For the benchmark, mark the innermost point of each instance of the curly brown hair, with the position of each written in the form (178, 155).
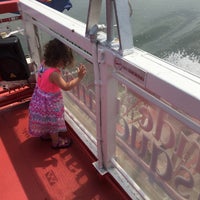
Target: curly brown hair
(56, 51)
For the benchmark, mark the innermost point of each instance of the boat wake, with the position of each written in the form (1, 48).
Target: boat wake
(189, 63)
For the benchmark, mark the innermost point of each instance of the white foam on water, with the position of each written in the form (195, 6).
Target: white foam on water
(189, 63)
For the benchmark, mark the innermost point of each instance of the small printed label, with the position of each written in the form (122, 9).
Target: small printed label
(131, 72)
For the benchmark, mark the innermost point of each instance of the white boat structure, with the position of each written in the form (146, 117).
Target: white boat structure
(138, 114)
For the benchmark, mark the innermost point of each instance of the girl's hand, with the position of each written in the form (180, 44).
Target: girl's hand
(81, 71)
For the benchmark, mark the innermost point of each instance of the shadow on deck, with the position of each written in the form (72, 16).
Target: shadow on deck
(31, 170)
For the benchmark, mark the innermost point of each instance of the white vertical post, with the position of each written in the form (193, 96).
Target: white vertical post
(99, 164)
(109, 90)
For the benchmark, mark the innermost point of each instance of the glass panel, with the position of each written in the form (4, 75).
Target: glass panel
(43, 37)
(81, 100)
(161, 154)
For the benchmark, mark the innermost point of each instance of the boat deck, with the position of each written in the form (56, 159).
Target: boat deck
(31, 169)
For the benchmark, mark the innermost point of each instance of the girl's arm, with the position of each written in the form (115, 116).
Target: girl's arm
(57, 79)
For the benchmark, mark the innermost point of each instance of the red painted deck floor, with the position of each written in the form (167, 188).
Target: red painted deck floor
(30, 169)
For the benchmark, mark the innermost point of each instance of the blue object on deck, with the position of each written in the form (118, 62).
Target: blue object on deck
(68, 5)
(59, 5)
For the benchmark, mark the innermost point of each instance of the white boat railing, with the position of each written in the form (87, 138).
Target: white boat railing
(138, 114)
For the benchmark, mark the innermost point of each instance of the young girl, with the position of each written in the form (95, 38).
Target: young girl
(46, 109)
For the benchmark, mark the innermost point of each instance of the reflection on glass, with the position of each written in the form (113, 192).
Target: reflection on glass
(160, 153)
(80, 101)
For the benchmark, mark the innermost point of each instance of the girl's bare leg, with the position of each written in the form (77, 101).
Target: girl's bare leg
(54, 138)
(59, 142)
(63, 135)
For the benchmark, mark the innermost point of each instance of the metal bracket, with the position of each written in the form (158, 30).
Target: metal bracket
(102, 171)
(119, 9)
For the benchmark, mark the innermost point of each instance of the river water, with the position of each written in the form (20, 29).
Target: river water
(168, 29)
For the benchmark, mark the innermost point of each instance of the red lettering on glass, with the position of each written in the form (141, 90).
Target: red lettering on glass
(166, 166)
(183, 140)
(186, 180)
(168, 135)
(146, 121)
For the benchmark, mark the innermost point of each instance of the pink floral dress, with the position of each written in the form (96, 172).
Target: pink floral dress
(46, 108)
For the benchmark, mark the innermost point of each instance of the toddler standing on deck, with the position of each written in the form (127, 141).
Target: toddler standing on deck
(46, 109)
